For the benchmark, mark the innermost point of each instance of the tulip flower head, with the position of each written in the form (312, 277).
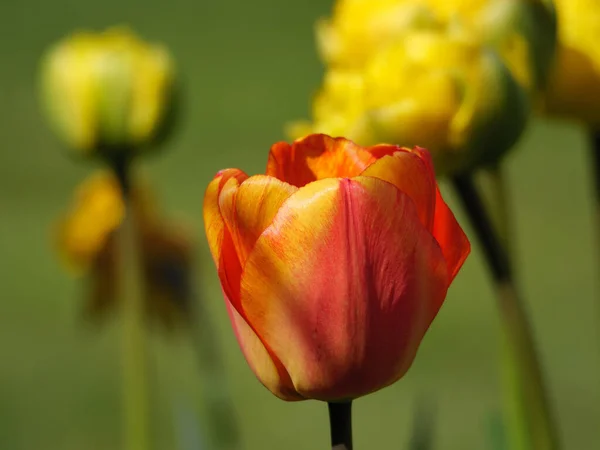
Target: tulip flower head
(87, 243)
(333, 264)
(433, 87)
(107, 92)
(574, 88)
(522, 31)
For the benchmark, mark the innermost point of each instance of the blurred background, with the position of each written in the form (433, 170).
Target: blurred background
(247, 68)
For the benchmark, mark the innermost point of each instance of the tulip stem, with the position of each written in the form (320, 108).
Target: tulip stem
(520, 343)
(498, 200)
(135, 358)
(422, 437)
(596, 175)
(516, 430)
(223, 424)
(340, 421)
(596, 164)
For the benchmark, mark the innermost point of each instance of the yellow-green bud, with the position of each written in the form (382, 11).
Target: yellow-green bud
(573, 90)
(436, 88)
(107, 92)
(525, 34)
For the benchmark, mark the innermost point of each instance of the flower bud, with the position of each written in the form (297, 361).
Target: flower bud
(524, 32)
(574, 85)
(439, 89)
(107, 92)
(359, 27)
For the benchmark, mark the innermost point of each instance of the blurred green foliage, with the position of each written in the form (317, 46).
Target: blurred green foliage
(248, 67)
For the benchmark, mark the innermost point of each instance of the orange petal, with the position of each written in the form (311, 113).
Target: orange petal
(214, 224)
(250, 208)
(267, 368)
(381, 150)
(341, 290)
(316, 157)
(409, 173)
(452, 239)
(217, 229)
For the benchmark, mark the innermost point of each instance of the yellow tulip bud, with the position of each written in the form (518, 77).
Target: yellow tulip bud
(574, 86)
(439, 89)
(107, 92)
(522, 31)
(360, 27)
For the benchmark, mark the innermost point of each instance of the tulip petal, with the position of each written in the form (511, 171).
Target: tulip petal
(219, 194)
(409, 173)
(452, 239)
(316, 157)
(341, 290)
(267, 368)
(213, 221)
(250, 208)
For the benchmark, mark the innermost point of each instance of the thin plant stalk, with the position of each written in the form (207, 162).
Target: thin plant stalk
(595, 164)
(134, 344)
(495, 192)
(222, 419)
(515, 415)
(525, 376)
(423, 435)
(340, 422)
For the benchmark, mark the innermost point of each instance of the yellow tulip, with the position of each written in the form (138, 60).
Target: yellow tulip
(574, 88)
(522, 31)
(435, 88)
(106, 91)
(360, 27)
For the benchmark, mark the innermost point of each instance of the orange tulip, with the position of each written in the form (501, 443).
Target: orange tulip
(333, 264)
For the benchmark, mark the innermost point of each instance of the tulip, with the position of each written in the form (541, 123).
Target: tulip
(574, 88)
(522, 31)
(107, 92)
(436, 88)
(525, 34)
(333, 264)
(359, 28)
(87, 243)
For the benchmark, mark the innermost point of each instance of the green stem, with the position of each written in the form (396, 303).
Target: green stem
(500, 211)
(595, 150)
(515, 411)
(422, 437)
(135, 357)
(223, 425)
(527, 379)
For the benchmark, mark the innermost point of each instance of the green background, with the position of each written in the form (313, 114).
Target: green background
(248, 67)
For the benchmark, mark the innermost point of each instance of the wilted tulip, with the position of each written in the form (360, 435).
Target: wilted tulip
(574, 88)
(333, 264)
(87, 243)
(107, 92)
(437, 88)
